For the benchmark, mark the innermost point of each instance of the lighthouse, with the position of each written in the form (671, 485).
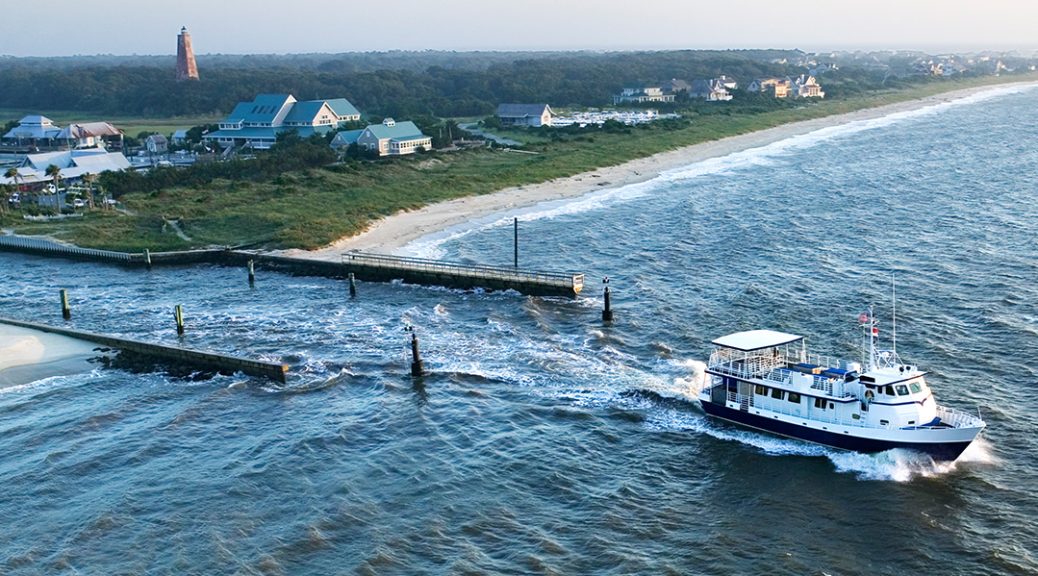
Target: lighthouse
(186, 67)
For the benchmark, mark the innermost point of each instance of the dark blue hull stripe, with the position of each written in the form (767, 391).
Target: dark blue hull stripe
(944, 451)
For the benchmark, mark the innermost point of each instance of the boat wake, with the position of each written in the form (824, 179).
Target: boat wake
(905, 465)
(891, 466)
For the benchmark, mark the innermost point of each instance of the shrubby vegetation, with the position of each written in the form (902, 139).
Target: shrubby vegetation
(290, 153)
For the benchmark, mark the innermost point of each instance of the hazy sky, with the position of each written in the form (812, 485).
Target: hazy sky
(70, 27)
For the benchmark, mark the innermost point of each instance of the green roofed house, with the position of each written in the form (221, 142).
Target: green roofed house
(391, 138)
(257, 124)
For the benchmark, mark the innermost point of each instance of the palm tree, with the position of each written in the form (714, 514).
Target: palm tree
(89, 179)
(11, 174)
(55, 173)
(5, 193)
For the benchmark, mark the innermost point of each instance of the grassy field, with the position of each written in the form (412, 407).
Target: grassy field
(130, 125)
(311, 208)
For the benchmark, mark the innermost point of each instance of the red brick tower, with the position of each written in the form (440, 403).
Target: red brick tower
(186, 67)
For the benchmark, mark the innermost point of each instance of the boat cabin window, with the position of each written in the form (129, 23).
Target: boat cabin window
(902, 390)
(760, 390)
(916, 388)
(794, 398)
(776, 393)
(820, 403)
(888, 390)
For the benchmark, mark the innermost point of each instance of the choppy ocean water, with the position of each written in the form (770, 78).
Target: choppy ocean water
(543, 441)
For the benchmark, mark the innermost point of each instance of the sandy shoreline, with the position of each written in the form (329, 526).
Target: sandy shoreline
(389, 235)
(27, 355)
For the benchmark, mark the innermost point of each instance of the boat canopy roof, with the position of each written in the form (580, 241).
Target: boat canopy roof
(756, 340)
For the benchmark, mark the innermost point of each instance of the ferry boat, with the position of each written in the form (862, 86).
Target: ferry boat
(767, 380)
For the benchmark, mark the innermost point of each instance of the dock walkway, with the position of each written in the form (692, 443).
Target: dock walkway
(364, 267)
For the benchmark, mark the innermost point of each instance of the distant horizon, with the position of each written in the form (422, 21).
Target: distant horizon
(172, 54)
(930, 26)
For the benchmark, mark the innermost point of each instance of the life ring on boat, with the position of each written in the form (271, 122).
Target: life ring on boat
(869, 396)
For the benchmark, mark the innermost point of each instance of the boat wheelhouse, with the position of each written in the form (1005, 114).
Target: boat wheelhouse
(767, 380)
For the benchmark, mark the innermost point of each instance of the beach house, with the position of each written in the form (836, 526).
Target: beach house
(808, 87)
(712, 90)
(156, 144)
(40, 131)
(391, 138)
(533, 115)
(777, 87)
(73, 164)
(32, 129)
(256, 124)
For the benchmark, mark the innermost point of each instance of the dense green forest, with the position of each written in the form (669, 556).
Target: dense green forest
(396, 83)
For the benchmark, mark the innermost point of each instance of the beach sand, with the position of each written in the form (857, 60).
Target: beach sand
(389, 235)
(27, 355)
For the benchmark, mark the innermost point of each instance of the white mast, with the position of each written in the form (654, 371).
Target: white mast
(893, 305)
(871, 328)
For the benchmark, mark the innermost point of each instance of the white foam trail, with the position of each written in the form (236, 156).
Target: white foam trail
(905, 465)
(686, 386)
(431, 246)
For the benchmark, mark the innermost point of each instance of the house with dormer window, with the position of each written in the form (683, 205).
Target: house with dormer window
(258, 123)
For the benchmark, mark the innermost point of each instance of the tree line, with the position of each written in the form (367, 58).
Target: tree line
(575, 79)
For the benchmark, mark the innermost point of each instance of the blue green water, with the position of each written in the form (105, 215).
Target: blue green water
(542, 441)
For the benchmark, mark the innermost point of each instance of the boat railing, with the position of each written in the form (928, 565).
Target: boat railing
(958, 418)
(819, 360)
(833, 387)
(745, 366)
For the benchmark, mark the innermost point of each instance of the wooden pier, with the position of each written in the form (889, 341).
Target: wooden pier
(204, 360)
(364, 267)
(464, 276)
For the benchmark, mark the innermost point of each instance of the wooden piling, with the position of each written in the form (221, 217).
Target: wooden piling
(66, 311)
(147, 258)
(607, 310)
(252, 272)
(515, 242)
(178, 315)
(416, 358)
(353, 286)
